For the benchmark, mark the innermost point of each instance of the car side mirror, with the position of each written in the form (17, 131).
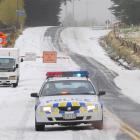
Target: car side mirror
(34, 95)
(17, 66)
(101, 93)
(21, 60)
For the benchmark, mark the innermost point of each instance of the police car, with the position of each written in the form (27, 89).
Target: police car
(68, 98)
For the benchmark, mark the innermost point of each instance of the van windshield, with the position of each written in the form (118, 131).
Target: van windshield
(7, 64)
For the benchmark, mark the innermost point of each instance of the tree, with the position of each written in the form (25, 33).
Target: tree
(127, 11)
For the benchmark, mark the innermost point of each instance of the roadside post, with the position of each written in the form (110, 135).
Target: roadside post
(19, 13)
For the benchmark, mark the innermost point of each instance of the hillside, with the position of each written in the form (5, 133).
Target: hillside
(8, 12)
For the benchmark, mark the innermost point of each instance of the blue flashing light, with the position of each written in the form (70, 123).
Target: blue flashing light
(80, 73)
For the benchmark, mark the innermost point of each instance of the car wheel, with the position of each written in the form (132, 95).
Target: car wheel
(39, 127)
(15, 84)
(98, 125)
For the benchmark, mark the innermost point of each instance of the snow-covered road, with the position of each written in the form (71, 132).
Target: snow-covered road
(17, 107)
(84, 41)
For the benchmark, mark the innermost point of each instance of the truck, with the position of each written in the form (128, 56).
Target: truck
(9, 66)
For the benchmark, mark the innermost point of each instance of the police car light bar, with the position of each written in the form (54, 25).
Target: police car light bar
(68, 74)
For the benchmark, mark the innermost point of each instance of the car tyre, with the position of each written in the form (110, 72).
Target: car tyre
(98, 125)
(39, 127)
(15, 84)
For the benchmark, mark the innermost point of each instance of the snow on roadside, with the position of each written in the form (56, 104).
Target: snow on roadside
(129, 82)
(84, 41)
(31, 40)
(32, 76)
(17, 108)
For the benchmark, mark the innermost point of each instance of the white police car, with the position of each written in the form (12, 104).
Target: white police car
(68, 98)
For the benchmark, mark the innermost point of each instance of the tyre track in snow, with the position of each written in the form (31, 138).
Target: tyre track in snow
(27, 85)
(24, 132)
(94, 134)
(103, 81)
(24, 121)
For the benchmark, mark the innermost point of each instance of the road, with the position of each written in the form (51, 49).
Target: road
(123, 107)
(17, 107)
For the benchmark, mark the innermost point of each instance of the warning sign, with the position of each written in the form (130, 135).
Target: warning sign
(49, 57)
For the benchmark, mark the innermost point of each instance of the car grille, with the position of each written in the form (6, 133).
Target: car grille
(3, 78)
(74, 108)
(61, 119)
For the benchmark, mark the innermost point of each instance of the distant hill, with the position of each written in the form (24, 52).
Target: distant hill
(8, 12)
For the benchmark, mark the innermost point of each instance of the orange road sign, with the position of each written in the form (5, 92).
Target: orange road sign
(3, 38)
(49, 57)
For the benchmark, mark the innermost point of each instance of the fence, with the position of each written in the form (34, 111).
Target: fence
(127, 43)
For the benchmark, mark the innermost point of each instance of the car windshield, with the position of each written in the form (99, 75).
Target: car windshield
(70, 87)
(7, 64)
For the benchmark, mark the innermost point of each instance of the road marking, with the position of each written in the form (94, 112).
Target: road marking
(135, 135)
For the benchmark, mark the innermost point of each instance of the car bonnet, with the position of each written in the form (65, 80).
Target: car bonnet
(65, 100)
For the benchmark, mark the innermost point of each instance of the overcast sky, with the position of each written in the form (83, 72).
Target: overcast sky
(88, 9)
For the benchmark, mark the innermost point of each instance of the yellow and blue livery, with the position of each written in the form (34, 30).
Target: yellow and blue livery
(68, 100)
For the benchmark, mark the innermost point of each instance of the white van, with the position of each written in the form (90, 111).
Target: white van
(9, 66)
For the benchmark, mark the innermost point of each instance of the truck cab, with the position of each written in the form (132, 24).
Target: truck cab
(9, 66)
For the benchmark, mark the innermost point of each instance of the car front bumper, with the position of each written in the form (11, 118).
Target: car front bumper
(7, 82)
(49, 119)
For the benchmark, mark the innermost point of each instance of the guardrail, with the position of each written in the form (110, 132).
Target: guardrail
(101, 27)
(128, 43)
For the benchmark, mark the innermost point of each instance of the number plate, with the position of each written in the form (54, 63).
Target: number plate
(69, 116)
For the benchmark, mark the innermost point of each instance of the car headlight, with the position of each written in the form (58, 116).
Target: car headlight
(92, 107)
(46, 109)
(12, 78)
